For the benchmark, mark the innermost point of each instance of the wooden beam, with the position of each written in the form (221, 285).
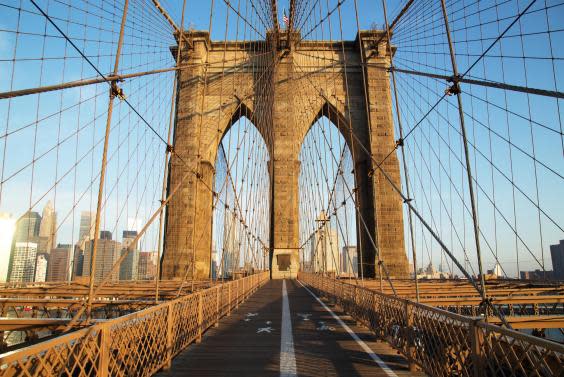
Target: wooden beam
(20, 324)
(532, 321)
(509, 300)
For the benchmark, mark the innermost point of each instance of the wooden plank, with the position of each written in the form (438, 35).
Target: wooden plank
(238, 347)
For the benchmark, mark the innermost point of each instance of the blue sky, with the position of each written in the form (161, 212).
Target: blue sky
(62, 131)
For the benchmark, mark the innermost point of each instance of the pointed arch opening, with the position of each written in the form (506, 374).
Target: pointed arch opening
(241, 200)
(328, 215)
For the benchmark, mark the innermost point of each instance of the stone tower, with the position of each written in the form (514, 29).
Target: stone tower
(354, 96)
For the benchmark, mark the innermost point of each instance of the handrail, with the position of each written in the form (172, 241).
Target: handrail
(137, 344)
(440, 342)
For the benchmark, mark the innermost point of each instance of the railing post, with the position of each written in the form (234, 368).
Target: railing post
(476, 344)
(376, 313)
(169, 321)
(228, 299)
(103, 358)
(237, 295)
(217, 312)
(200, 316)
(410, 337)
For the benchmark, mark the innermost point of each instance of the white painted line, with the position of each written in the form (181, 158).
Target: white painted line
(353, 335)
(287, 355)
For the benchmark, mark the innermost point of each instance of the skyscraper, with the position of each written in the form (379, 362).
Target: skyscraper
(41, 263)
(77, 261)
(86, 231)
(60, 266)
(48, 229)
(557, 256)
(147, 265)
(107, 254)
(22, 267)
(350, 261)
(27, 227)
(214, 257)
(7, 227)
(231, 245)
(325, 249)
(26, 232)
(129, 267)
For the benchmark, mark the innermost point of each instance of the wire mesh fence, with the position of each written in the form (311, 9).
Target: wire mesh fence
(138, 344)
(440, 342)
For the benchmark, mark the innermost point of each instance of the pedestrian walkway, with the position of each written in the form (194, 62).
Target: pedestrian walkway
(285, 330)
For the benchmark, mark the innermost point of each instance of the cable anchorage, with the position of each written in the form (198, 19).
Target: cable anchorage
(116, 91)
(455, 87)
(399, 142)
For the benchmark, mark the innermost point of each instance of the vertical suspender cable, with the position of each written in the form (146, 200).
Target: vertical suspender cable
(405, 171)
(113, 92)
(456, 89)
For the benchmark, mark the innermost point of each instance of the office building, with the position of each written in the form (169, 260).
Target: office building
(22, 266)
(536, 275)
(147, 265)
(557, 255)
(495, 272)
(27, 227)
(60, 263)
(26, 232)
(350, 261)
(107, 254)
(78, 260)
(47, 229)
(231, 245)
(41, 264)
(129, 267)
(325, 248)
(7, 227)
(214, 273)
(86, 230)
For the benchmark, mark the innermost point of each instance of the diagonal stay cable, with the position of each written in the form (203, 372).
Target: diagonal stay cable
(456, 80)
(108, 81)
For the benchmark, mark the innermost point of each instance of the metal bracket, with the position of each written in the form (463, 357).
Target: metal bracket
(399, 142)
(116, 91)
(455, 87)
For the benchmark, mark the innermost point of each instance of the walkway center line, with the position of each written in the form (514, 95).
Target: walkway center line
(353, 335)
(287, 355)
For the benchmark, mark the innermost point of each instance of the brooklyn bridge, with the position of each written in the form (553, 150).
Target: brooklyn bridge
(281, 188)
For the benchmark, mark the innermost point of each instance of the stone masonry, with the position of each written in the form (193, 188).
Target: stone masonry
(283, 88)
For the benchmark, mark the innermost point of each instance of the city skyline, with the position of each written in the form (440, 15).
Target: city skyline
(45, 234)
(30, 252)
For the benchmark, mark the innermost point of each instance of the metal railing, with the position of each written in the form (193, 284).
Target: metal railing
(138, 344)
(440, 342)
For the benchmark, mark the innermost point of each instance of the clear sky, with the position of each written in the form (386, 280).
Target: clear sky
(52, 143)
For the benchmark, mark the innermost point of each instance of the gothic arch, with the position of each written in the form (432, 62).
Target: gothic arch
(336, 117)
(242, 110)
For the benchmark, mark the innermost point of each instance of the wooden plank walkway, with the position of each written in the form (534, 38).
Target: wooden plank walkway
(248, 343)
